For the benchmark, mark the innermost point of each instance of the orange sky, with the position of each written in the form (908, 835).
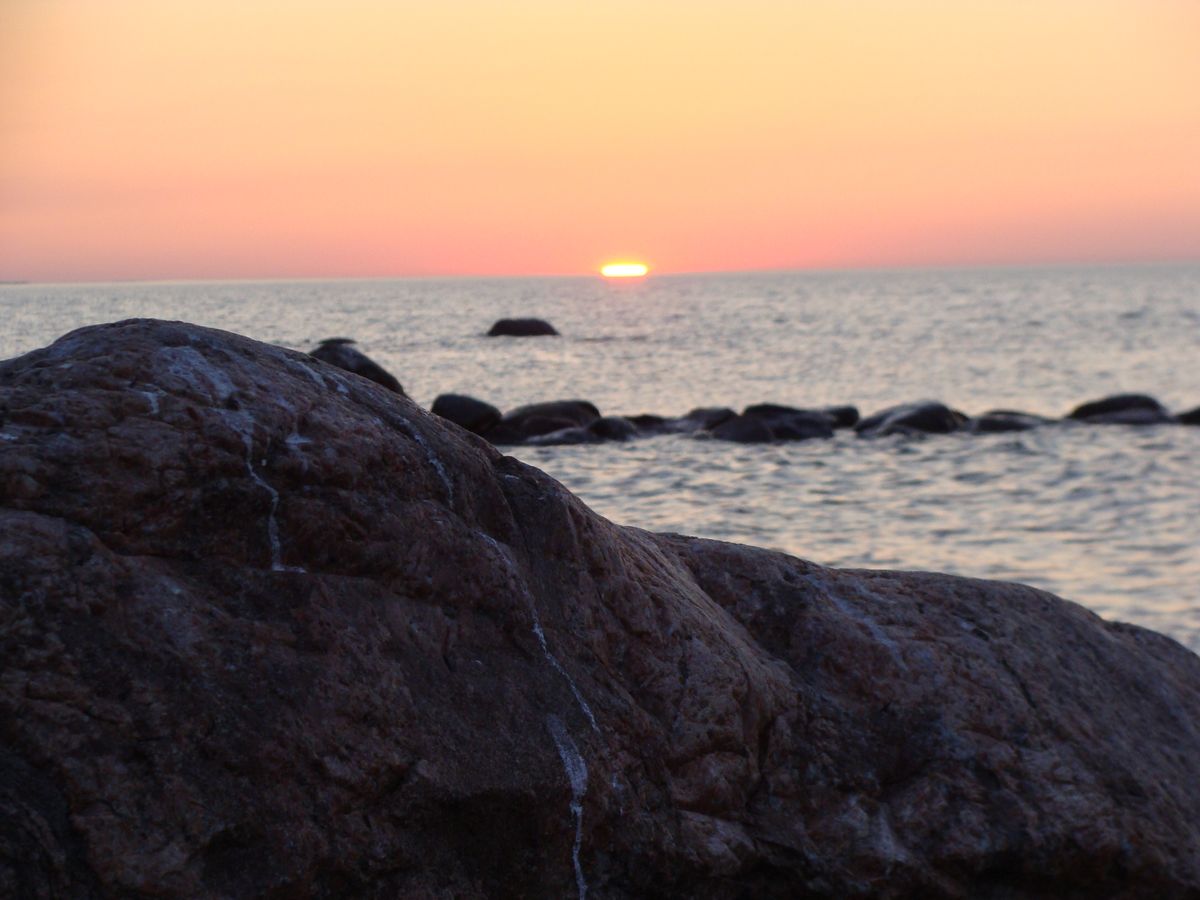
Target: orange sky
(213, 138)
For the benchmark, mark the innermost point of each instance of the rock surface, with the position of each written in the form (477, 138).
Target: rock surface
(522, 328)
(270, 630)
(339, 352)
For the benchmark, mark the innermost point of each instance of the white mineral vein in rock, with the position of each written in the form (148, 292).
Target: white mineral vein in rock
(540, 633)
(577, 774)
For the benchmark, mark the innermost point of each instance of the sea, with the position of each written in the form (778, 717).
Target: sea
(1106, 516)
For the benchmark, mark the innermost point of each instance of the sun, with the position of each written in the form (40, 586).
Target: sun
(624, 270)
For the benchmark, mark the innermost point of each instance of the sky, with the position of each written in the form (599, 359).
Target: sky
(151, 139)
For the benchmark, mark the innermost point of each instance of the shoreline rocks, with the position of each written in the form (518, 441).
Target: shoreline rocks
(268, 629)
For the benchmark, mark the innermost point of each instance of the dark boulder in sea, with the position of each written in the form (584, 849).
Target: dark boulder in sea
(340, 352)
(842, 416)
(522, 328)
(1191, 417)
(538, 419)
(612, 428)
(1122, 409)
(270, 630)
(789, 423)
(1003, 420)
(704, 418)
(606, 428)
(925, 417)
(744, 430)
(649, 423)
(466, 412)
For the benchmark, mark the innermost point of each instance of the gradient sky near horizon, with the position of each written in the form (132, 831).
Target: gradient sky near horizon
(218, 139)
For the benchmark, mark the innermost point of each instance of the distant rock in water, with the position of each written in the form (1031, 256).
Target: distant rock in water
(538, 419)
(771, 422)
(598, 431)
(1123, 409)
(522, 328)
(1001, 420)
(706, 418)
(744, 430)
(335, 647)
(466, 412)
(842, 416)
(925, 417)
(1191, 417)
(340, 352)
(612, 428)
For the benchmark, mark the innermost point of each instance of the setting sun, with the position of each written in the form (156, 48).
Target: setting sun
(624, 270)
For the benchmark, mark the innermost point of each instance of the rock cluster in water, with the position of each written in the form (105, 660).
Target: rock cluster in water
(269, 629)
(542, 424)
(580, 421)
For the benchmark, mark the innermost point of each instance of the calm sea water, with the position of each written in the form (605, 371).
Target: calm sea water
(1106, 516)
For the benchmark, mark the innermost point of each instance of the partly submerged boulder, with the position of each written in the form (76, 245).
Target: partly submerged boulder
(340, 352)
(842, 416)
(269, 630)
(466, 412)
(606, 428)
(1004, 420)
(791, 424)
(1191, 417)
(924, 417)
(704, 418)
(522, 328)
(772, 422)
(538, 419)
(744, 430)
(1122, 409)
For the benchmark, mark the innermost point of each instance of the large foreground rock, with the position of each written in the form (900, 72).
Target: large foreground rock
(267, 629)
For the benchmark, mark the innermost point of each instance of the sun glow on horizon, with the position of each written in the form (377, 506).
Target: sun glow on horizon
(142, 139)
(624, 270)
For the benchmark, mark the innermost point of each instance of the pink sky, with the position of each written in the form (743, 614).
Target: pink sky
(220, 139)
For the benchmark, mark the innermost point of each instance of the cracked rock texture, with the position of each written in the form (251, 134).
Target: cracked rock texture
(270, 630)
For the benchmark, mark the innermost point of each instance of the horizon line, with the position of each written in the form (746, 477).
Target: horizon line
(467, 276)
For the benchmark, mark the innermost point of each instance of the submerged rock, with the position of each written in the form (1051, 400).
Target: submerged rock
(1122, 409)
(925, 417)
(267, 630)
(1003, 420)
(538, 419)
(340, 352)
(704, 418)
(522, 328)
(466, 412)
(771, 422)
(842, 416)
(744, 430)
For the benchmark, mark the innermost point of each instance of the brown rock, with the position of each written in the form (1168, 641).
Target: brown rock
(268, 630)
